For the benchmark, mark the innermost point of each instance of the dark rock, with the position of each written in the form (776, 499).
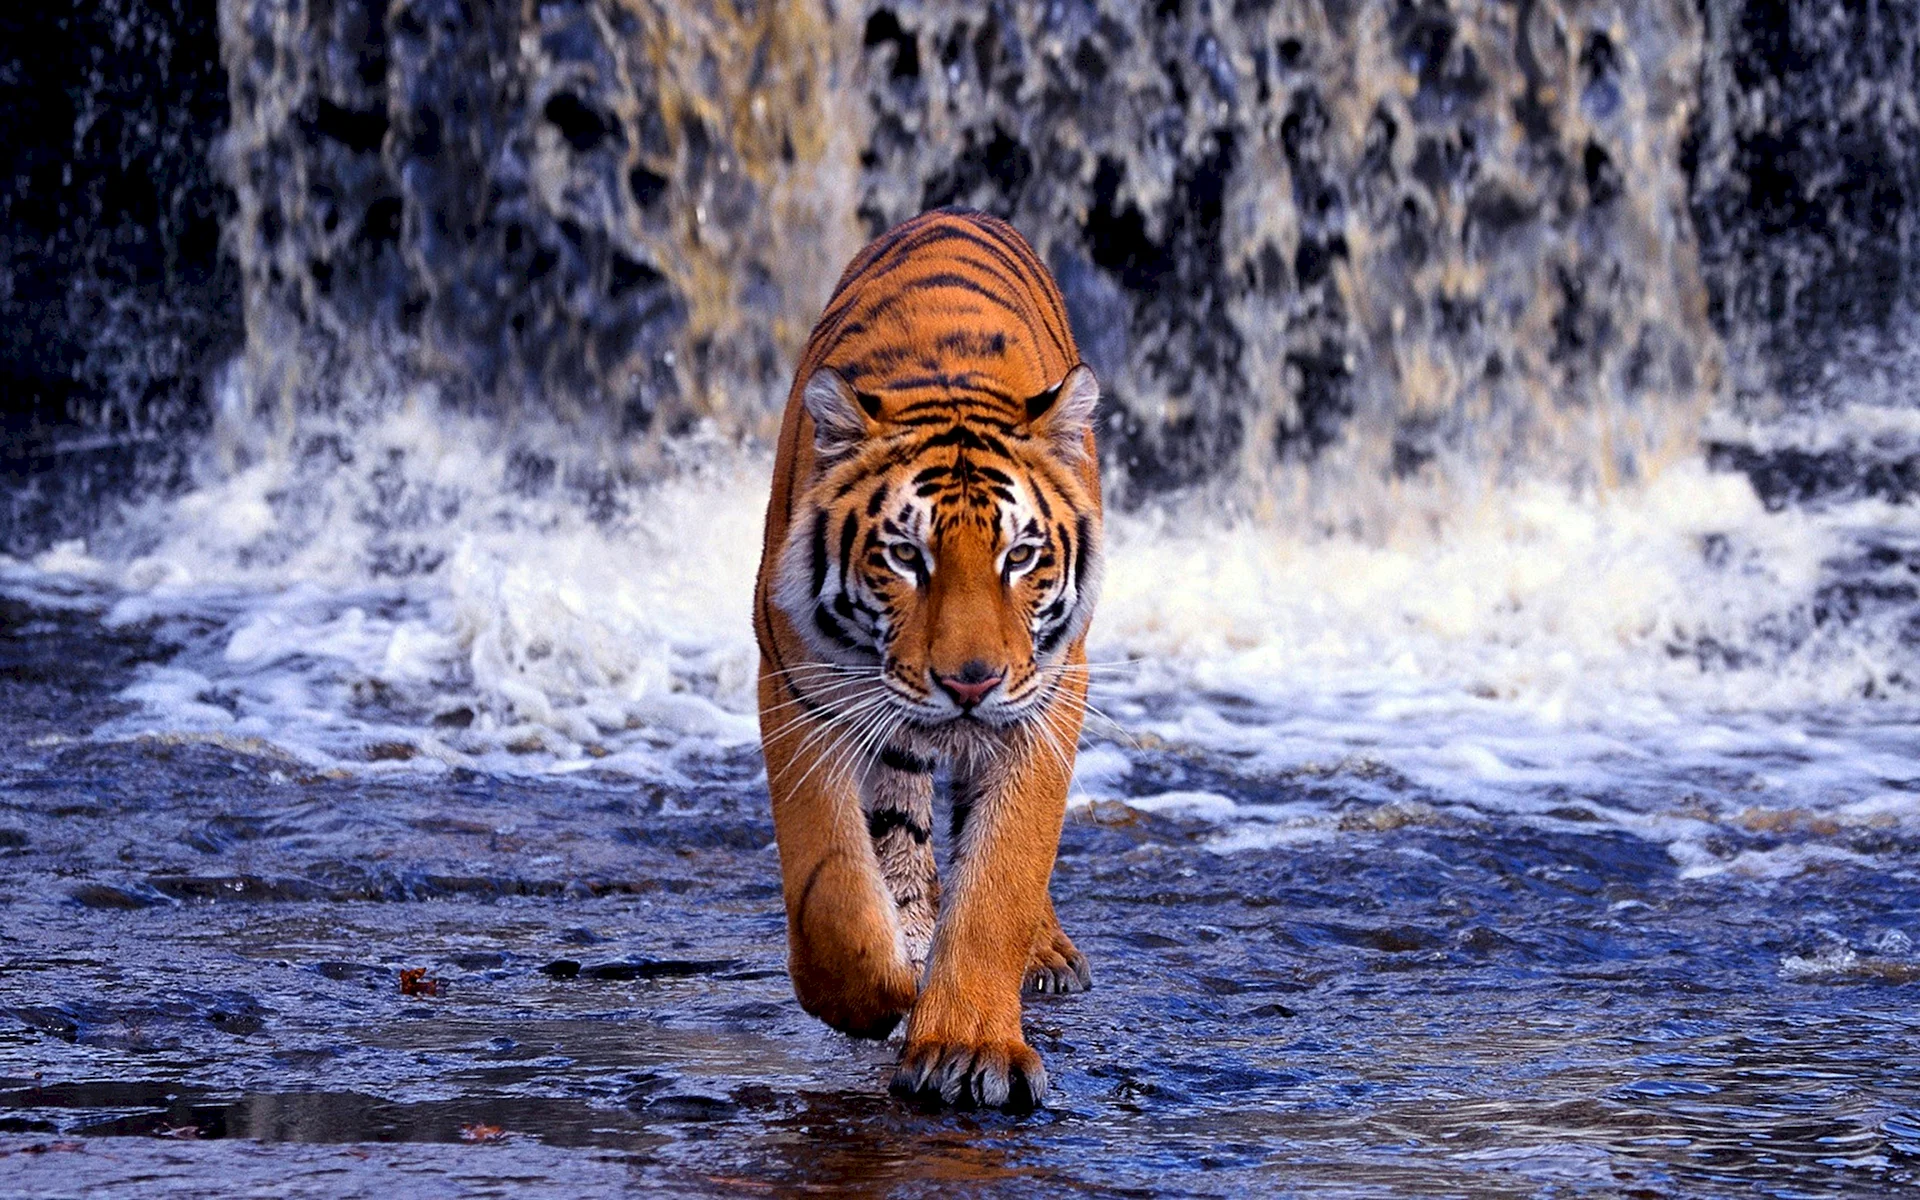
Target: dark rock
(115, 299)
(1805, 165)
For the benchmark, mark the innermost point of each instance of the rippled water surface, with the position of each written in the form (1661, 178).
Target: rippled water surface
(1506, 780)
(204, 940)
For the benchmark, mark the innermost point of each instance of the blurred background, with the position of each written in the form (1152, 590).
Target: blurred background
(1511, 428)
(1403, 240)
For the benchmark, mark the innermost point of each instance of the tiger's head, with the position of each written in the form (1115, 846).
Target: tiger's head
(953, 552)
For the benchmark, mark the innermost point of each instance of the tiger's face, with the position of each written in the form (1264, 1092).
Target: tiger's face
(952, 554)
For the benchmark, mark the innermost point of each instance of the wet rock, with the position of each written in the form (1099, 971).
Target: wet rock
(115, 299)
(350, 971)
(108, 895)
(630, 969)
(605, 209)
(207, 888)
(690, 1108)
(54, 1022)
(1805, 164)
(240, 1020)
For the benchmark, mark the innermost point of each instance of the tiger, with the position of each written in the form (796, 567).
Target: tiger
(931, 561)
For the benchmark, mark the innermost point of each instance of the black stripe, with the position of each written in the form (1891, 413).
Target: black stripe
(883, 821)
(1067, 546)
(1023, 262)
(1051, 639)
(1033, 274)
(907, 761)
(897, 246)
(863, 261)
(1040, 498)
(1044, 283)
(878, 498)
(849, 485)
(819, 552)
(958, 414)
(780, 672)
(806, 889)
(946, 279)
(966, 439)
(965, 381)
(847, 533)
(965, 341)
(1084, 526)
(824, 622)
(1049, 468)
(952, 383)
(1011, 281)
(962, 808)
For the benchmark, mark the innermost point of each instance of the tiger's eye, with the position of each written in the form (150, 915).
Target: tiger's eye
(905, 555)
(1019, 556)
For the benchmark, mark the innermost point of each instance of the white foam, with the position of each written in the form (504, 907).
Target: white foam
(1783, 862)
(1889, 958)
(1191, 804)
(420, 605)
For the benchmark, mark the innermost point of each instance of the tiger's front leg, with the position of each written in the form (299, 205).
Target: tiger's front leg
(898, 796)
(846, 949)
(964, 1043)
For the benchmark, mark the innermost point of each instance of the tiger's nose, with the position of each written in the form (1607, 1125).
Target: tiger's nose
(972, 684)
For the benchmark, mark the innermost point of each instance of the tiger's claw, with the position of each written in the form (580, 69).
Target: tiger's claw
(1057, 967)
(1009, 1077)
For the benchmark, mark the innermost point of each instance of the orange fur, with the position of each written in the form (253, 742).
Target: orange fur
(930, 564)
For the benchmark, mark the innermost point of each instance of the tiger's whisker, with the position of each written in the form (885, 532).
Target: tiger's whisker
(831, 729)
(857, 698)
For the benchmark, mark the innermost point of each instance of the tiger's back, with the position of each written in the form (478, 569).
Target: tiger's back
(930, 564)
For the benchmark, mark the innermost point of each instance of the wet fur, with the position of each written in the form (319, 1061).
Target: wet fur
(940, 404)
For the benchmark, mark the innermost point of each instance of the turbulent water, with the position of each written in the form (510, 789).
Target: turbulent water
(1505, 773)
(1564, 843)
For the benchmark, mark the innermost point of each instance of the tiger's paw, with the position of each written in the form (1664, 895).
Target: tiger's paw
(861, 1017)
(1006, 1075)
(862, 1003)
(1056, 965)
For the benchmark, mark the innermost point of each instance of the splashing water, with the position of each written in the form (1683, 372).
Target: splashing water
(400, 588)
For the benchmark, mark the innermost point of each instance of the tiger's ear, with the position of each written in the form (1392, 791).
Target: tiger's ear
(842, 417)
(1064, 412)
